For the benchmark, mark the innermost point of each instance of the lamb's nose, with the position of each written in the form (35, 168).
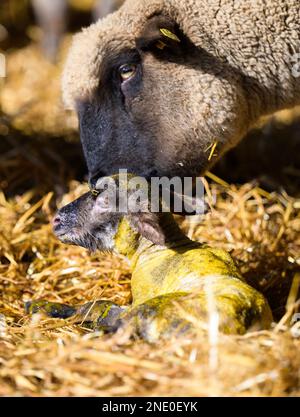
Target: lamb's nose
(56, 221)
(57, 225)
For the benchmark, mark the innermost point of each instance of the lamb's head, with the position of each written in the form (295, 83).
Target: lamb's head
(115, 214)
(80, 223)
(150, 100)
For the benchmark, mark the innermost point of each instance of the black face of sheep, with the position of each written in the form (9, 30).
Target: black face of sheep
(144, 117)
(159, 101)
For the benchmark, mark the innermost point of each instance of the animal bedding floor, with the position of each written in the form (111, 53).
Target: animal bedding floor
(42, 357)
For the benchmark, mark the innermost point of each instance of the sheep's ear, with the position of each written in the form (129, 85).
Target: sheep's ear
(147, 224)
(159, 33)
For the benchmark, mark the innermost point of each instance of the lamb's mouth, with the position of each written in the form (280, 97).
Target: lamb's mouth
(64, 235)
(73, 237)
(66, 239)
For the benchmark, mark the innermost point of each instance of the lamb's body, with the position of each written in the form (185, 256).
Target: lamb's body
(173, 272)
(187, 274)
(239, 60)
(168, 284)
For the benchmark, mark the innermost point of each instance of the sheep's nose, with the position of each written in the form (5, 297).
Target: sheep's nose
(56, 221)
(58, 225)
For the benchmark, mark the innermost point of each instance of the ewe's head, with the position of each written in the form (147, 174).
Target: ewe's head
(149, 97)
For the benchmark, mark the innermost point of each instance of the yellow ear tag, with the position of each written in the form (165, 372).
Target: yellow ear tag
(95, 193)
(168, 34)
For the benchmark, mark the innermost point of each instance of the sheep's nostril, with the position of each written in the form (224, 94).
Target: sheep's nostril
(56, 221)
(58, 226)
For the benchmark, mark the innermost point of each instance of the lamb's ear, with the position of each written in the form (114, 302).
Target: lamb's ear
(105, 193)
(147, 224)
(160, 32)
(105, 201)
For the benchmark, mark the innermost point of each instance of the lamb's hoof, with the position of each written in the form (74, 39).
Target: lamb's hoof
(49, 309)
(98, 315)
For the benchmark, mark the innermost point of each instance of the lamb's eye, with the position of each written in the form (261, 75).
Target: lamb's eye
(127, 71)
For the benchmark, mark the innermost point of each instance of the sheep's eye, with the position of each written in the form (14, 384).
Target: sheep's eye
(127, 71)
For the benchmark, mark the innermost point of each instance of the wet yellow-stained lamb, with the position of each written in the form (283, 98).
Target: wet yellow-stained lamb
(173, 277)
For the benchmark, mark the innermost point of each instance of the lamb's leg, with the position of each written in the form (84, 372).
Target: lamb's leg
(99, 315)
(237, 306)
(152, 320)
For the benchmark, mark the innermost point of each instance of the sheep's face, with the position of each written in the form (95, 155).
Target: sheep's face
(160, 106)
